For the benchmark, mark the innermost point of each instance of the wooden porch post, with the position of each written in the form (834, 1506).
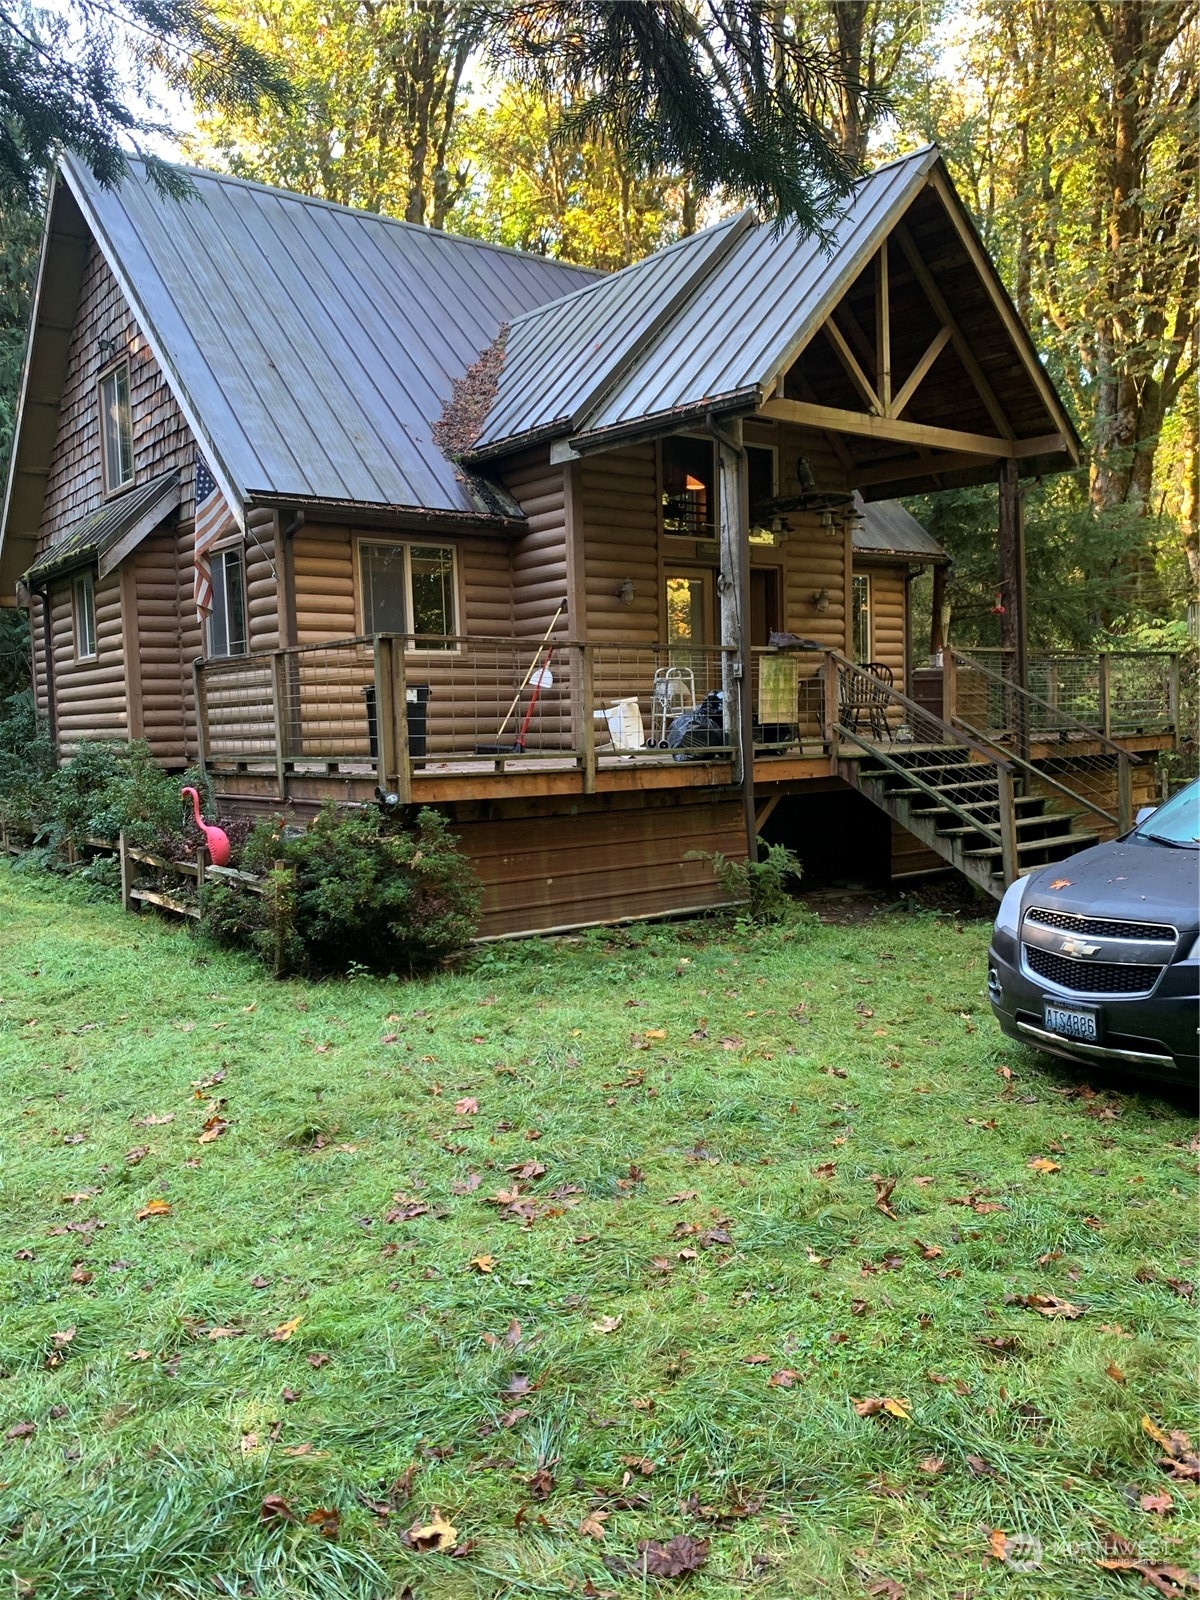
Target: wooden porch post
(937, 634)
(1014, 632)
(391, 716)
(734, 586)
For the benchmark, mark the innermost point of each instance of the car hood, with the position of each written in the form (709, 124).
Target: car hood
(1140, 880)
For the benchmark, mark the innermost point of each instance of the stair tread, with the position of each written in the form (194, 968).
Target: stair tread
(1021, 822)
(1080, 839)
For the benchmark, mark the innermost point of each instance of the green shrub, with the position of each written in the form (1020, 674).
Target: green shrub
(27, 764)
(356, 888)
(762, 884)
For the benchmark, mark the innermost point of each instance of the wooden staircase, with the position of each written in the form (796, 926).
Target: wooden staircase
(952, 801)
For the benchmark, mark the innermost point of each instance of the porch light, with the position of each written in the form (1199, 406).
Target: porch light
(693, 483)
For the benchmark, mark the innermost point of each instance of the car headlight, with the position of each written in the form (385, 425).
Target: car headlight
(1194, 953)
(1008, 918)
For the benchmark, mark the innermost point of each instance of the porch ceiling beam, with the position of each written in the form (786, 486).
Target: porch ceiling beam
(917, 376)
(883, 331)
(914, 433)
(846, 356)
(924, 466)
(962, 347)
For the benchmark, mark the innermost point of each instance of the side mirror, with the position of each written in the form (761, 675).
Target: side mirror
(1143, 813)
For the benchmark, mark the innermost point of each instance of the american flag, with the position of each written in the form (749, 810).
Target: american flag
(213, 518)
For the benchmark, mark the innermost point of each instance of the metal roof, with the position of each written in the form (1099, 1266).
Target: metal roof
(310, 346)
(732, 305)
(137, 511)
(887, 528)
(557, 355)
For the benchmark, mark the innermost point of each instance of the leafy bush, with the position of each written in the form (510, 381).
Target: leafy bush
(27, 764)
(357, 888)
(762, 884)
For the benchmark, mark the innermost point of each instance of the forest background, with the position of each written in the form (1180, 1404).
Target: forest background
(1071, 127)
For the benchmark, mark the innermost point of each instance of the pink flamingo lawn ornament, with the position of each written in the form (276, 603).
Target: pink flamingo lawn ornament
(216, 838)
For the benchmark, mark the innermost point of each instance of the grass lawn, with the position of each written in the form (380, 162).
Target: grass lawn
(578, 1247)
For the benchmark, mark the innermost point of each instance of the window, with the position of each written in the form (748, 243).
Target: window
(409, 588)
(688, 487)
(227, 620)
(860, 617)
(760, 475)
(116, 429)
(85, 616)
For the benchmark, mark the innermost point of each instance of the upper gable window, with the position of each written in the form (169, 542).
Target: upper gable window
(688, 486)
(116, 429)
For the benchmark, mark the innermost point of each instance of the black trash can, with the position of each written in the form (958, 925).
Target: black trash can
(416, 714)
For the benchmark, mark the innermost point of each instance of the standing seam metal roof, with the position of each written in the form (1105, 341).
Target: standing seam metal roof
(315, 345)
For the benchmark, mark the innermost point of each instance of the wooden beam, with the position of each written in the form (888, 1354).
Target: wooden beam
(1012, 322)
(915, 433)
(858, 338)
(883, 331)
(962, 348)
(916, 377)
(926, 466)
(846, 356)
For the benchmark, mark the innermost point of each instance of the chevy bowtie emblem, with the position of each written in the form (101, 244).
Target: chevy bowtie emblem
(1076, 947)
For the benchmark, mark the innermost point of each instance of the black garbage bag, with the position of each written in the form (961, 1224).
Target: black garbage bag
(699, 728)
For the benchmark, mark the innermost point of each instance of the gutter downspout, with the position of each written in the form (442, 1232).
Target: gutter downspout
(735, 520)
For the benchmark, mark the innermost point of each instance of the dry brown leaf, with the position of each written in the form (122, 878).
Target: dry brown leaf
(681, 1197)
(154, 1208)
(468, 1106)
(592, 1526)
(606, 1325)
(883, 1193)
(885, 1589)
(678, 1557)
(274, 1508)
(1159, 1504)
(1049, 1305)
(785, 1378)
(929, 1252)
(1114, 1372)
(931, 1465)
(285, 1330)
(213, 1129)
(152, 1121)
(326, 1520)
(883, 1405)
(482, 1263)
(1165, 1579)
(436, 1534)
(1061, 883)
(1043, 1164)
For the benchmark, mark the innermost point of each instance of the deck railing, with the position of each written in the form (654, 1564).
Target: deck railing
(1076, 760)
(1115, 691)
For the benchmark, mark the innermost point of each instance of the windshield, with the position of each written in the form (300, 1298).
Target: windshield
(1177, 820)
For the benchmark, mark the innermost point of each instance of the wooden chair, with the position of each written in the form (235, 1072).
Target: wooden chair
(865, 699)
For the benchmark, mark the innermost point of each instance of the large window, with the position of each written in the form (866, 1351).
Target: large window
(860, 617)
(84, 606)
(116, 429)
(227, 621)
(689, 487)
(409, 588)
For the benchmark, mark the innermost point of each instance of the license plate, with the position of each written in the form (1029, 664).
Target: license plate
(1072, 1022)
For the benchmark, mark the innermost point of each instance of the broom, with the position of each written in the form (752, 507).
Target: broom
(499, 749)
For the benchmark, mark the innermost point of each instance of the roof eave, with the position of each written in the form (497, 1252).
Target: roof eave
(743, 401)
(381, 511)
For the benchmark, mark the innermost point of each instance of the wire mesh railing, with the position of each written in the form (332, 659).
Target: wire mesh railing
(656, 701)
(1115, 691)
(1061, 757)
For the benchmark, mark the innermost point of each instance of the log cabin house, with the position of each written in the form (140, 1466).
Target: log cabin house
(486, 531)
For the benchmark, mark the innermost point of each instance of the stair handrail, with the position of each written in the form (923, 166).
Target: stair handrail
(1003, 835)
(997, 756)
(1027, 694)
(1030, 770)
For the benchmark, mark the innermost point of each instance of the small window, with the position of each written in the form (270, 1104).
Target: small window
(760, 474)
(85, 617)
(689, 487)
(227, 621)
(861, 617)
(116, 429)
(409, 588)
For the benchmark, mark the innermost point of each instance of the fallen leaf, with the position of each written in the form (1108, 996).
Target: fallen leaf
(1043, 1164)
(827, 1169)
(1168, 1580)
(468, 1106)
(1049, 1305)
(436, 1534)
(883, 1405)
(785, 1378)
(1114, 1372)
(213, 1129)
(154, 1208)
(317, 1358)
(482, 1263)
(152, 1121)
(883, 1193)
(680, 1198)
(606, 1325)
(326, 1520)
(541, 1484)
(21, 1430)
(931, 1465)
(74, 1138)
(79, 1196)
(676, 1558)
(592, 1526)
(885, 1589)
(1180, 1460)
(1061, 883)
(981, 1468)
(1160, 1504)
(63, 1337)
(80, 1274)
(285, 1330)
(928, 1252)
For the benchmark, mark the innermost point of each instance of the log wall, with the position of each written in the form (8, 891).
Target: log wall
(89, 695)
(889, 633)
(105, 325)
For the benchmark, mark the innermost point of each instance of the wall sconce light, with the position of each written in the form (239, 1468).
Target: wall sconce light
(625, 592)
(820, 599)
(108, 349)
